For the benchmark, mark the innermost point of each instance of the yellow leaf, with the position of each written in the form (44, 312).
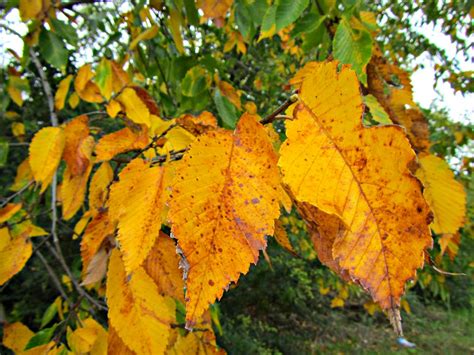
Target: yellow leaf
(81, 224)
(76, 133)
(113, 108)
(282, 237)
(138, 313)
(333, 162)
(98, 230)
(135, 108)
(85, 88)
(13, 258)
(30, 9)
(147, 34)
(251, 108)
(135, 202)
(61, 93)
(91, 338)
(337, 302)
(121, 141)
(9, 211)
(16, 336)
(73, 100)
(162, 265)
(120, 77)
(46, 149)
(267, 34)
(18, 129)
(230, 92)
(445, 196)
(73, 191)
(23, 175)
(104, 78)
(98, 187)
(371, 307)
(28, 230)
(116, 345)
(5, 238)
(450, 243)
(225, 200)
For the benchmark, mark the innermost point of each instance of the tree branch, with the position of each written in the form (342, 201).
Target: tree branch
(275, 114)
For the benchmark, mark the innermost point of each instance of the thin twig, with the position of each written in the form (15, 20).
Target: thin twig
(19, 192)
(273, 116)
(53, 277)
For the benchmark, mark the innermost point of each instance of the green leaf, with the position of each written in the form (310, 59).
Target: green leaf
(288, 11)
(49, 314)
(243, 19)
(353, 47)
(195, 81)
(191, 12)
(42, 337)
(102, 76)
(65, 31)
(53, 50)
(227, 112)
(4, 147)
(307, 23)
(376, 110)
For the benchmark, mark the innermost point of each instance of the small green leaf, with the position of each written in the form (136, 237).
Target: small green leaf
(227, 112)
(191, 12)
(288, 11)
(195, 81)
(353, 47)
(53, 50)
(378, 113)
(243, 19)
(42, 337)
(49, 314)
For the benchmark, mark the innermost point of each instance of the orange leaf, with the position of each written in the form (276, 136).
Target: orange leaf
(98, 187)
(225, 200)
(332, 161)
(76, 131)
(9, 211)
(121, 141)
(16, 336)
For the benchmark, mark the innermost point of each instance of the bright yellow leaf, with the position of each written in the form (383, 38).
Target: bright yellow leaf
(113, 108)
(98, 187)
(77, 135)
(16, 336)
(23, 175)
(73, 192)
(73, 100)
(135, 108)
(147, 34)
(332, 161)
(46, 149)
(18, 129)
(13, 257)
(138, 313)
(121, 141)
(445, 196)
(225, 200)
(61, 93)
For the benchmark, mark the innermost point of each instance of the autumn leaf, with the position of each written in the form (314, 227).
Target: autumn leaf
(120, 141)
(89, 338)
(214, 9)
(162, 265)
(98, 187)
(23, 175)
(360, 175)
(225, 200)
(116, 344)
(16, 336)
(46, 149)
(13, 257)
(61, 93)
(76, 132)
(199, 124)
(85, 88)
(9, 211)
(138, 313)
(135, 108)
(445, 196)
(135, 202)
(282, 237)
(113, 108)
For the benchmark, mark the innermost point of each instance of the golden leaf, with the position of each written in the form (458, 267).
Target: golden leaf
(282, 237)
(225, 200)
(98, 187)
(120, 77)
(445, 196)
(85, 88)
(76, 132)
(135, 108)
(18, 130)
(135, 202)
(214, 9)
(46, 149)
(200, 124)
(61, 93)
(162, 264)
(16, 336)
(9, 211)
(138, 313)
(13, 257)
(147, 34)
(30, 9)
(90, 338)
(23, 175)
(96, 232)
(121, 141)
(359, 174)
(113, 108)
(73, 100)
(230, 92)
(116, 345)
(5, 238)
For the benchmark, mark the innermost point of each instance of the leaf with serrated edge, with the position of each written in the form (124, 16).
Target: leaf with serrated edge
(225, 200)
(136, 202)
(13, 257)
(359, 174)
(138, 313)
